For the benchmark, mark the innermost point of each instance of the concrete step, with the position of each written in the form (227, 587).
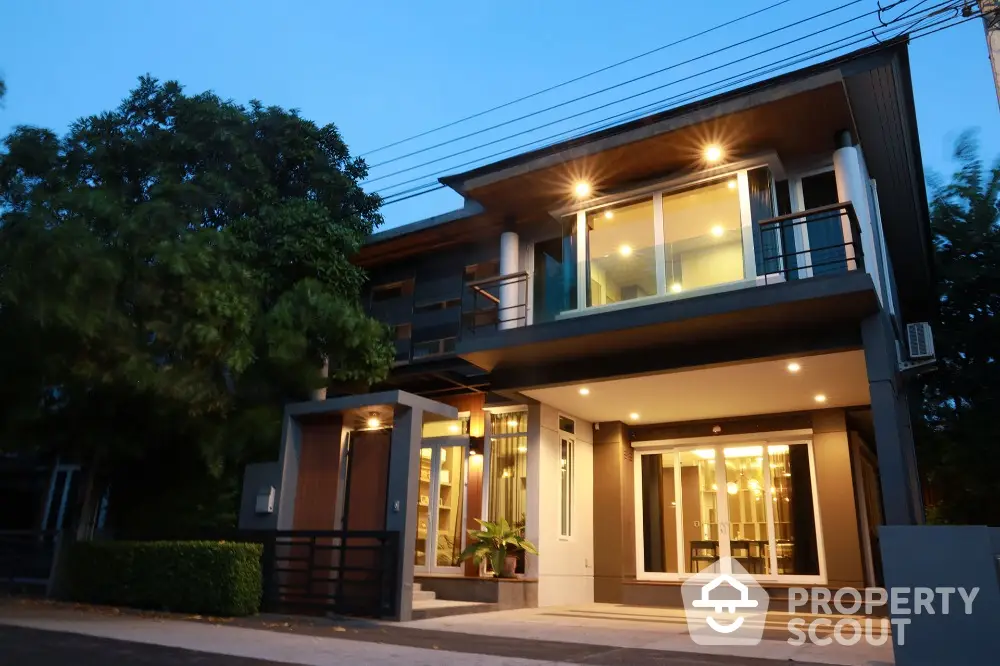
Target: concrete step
(423, 595)
(417, 587)
(423, 610)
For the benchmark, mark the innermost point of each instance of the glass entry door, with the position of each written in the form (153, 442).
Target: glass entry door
(441, 505)
(751, 502)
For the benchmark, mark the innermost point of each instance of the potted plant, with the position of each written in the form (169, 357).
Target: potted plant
(492, 542)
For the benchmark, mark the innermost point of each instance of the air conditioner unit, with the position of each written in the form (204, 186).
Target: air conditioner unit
(920, 340)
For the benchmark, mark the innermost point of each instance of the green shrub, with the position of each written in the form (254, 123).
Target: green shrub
(206, 577)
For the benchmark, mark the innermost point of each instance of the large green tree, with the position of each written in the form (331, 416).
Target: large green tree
(172, 272)
(959, 448)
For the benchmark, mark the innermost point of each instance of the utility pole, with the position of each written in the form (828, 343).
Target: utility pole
(990, 9)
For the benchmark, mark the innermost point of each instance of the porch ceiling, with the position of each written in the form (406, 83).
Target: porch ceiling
(764, 387)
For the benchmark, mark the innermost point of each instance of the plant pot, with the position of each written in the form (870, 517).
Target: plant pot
(510, 566)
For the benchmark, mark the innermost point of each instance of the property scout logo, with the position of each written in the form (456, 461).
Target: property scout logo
(724, 605)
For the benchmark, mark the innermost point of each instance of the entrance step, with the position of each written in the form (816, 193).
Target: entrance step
(417, 587)
(423, 610)
(423, 595)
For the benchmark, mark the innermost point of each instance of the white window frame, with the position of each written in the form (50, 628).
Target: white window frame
(566, 498)
(764, 439)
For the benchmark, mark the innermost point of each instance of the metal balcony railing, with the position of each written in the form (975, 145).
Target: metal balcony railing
(497, 303)
(785, 255)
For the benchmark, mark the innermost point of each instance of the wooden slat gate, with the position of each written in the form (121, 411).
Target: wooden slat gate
(317, 571)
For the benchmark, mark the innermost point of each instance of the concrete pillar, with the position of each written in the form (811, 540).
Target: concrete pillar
(510, 292)
(852, 186)
(901, 498)
(401, 508)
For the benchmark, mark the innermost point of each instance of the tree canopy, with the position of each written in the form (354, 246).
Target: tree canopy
(174, 270)
(958, 449)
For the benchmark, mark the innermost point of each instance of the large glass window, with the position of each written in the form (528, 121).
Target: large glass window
(703, 236)
(508, 477)
(750, 502)
(622, 253)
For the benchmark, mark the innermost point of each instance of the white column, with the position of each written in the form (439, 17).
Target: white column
(510, 292)
(852, 186)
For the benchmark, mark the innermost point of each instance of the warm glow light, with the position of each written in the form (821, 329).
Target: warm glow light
(731, 184)
(512, 423)
(373, 422)
(585, 391)
(608, 215)
(754, 485)
(820, 397)
(634, 416)
(676, 287)
(522, 449)
(454, 427)
(717, 231)
(732, 488)
(793, 367)
(742, 451)
(713, 153)
(625, 250)
(582, 189)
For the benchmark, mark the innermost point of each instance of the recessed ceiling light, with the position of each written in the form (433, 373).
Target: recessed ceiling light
(793, 367)
(713, 153)
(453, 427)
(717, 231)
(676, 287)
(582, 189)
(731, 184)
(820, 397)
(585, 391)
(634, 416)
(373, 422)
(625, 250)
(608, 215)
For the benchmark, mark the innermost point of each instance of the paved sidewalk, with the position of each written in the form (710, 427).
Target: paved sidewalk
(596, 634)
(659, 629)
(197, 640)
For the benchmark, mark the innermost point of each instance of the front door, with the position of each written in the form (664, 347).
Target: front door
(441, 505)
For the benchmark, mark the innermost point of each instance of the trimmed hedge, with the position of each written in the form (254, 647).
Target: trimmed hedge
(205, 577)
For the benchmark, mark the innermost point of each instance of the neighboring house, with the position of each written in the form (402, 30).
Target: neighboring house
(668, 341)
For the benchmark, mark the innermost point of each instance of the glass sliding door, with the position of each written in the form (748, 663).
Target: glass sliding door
(621, 247)
(703, 236)
(752, 502)
(441, 506)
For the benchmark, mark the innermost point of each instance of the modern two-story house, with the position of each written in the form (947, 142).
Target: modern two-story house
(653, 346)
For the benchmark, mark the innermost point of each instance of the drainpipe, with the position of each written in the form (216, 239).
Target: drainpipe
(509, 292)
(852, 185)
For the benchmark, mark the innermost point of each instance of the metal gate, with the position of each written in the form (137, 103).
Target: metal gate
(316, 571)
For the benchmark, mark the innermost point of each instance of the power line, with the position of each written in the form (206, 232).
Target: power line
(619, 85)
(431, 186)
(865, 32)
(579, 78)
(620, 99)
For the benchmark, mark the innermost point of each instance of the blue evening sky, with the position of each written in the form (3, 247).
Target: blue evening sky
(383, 71)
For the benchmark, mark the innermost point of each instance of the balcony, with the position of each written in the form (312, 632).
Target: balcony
(780, 251)
(802, 297)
